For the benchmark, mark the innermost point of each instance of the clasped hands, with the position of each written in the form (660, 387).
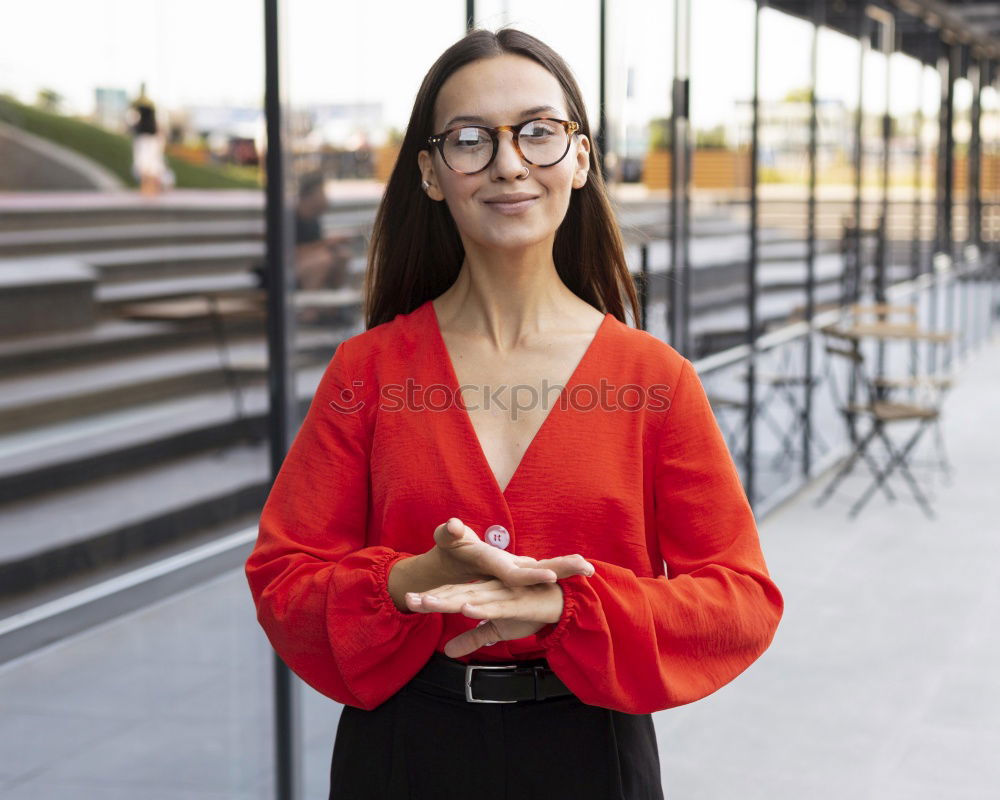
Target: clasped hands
(515, 596)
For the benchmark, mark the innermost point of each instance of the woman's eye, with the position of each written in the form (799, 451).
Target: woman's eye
(537, 131)
(469, 138)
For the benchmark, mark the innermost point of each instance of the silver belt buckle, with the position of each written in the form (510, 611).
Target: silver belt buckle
(468, 681)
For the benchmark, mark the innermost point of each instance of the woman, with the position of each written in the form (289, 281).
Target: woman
(415, 532)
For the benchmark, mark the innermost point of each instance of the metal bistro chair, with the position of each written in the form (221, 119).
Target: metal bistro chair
(916, 382)
(881, 414)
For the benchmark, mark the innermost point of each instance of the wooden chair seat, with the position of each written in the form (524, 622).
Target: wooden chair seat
(915, 382)
(891, 412)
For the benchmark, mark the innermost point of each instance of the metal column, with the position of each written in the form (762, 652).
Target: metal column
(818, 17)
(283, 405)
(602, 108)
(917, 249)
(679, 277)
(749, 455)
(864, 44)
(887, 41)
(975, 154)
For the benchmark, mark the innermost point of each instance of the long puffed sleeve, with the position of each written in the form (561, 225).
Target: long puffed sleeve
(644, 644)
(321, 594)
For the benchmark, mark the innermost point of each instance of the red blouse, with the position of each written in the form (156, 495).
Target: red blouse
(629, 469)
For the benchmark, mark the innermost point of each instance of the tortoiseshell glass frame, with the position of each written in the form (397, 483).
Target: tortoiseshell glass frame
(437, 140)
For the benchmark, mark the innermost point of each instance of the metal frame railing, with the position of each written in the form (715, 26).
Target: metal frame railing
(963, 298)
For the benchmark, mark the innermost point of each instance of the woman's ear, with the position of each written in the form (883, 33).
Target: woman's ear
(582, 162)
(427, 174)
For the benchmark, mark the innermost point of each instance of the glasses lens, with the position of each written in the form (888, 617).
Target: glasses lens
(543, 142)
(468, 149)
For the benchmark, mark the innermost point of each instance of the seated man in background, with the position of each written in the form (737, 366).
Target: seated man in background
(320, 261)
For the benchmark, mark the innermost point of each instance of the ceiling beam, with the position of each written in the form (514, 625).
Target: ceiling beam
(949, 20)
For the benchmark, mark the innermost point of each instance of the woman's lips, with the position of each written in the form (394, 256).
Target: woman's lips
(513, 208)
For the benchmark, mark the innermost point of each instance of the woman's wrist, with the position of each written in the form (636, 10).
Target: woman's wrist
(416, 574)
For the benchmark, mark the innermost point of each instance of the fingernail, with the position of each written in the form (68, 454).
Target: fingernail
(413, 598)
(429, 597)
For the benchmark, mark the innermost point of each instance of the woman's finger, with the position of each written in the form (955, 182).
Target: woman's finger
(451, 590)
(453, 604)
(502, 565)
(471, 640)
(498, 609)
(564, 566)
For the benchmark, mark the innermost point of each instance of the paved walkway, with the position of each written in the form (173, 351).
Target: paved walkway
(880, 685)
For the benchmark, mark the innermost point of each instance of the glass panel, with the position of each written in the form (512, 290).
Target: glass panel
(350, 106)
(132, 467)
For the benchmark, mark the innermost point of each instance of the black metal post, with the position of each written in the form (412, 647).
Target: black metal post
(750, 453)
(882, 270)
(602, 108)
(282, 410)
(954, 65)
(954, 55)
(810, 311)
(470, 15)
(917, 249)
(644, 285)
(864, 42)
(679, 277)
(975, 155)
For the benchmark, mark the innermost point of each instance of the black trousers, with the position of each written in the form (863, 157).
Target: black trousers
(420, 745)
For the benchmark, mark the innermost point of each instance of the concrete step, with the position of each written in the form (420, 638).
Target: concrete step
(45, 397)
(105, 444)
(69, 531)
(109, 237)
(58, 395)
(113, 297)
(54, 210)
(174, 261)
(42, 295)
(109, 339)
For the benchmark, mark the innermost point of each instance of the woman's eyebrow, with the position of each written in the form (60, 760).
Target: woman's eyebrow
(525, 113)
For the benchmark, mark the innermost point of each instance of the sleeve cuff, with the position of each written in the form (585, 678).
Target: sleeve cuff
(380, 573)
(549, 635)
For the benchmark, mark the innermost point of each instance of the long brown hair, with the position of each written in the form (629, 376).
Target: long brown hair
(416, 252)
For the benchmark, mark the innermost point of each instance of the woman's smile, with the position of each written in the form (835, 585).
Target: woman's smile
(512, 204)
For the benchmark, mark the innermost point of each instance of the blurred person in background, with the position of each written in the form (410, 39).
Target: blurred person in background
(320, 261)
(147, 145)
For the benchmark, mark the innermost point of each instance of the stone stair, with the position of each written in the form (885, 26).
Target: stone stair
(126, 437)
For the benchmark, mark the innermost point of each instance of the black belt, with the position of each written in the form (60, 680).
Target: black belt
(491, 683)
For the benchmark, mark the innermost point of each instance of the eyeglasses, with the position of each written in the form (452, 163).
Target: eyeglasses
(469, 149)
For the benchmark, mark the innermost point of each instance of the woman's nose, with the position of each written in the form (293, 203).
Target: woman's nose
(508, 162)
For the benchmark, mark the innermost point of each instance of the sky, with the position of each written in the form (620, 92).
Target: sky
(210, 52)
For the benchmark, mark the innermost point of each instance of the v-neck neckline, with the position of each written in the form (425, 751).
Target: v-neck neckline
(463, 412)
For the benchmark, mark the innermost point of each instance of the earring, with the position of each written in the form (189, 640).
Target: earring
(425, 185)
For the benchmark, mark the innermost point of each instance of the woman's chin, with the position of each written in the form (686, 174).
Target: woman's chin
(506, 241)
